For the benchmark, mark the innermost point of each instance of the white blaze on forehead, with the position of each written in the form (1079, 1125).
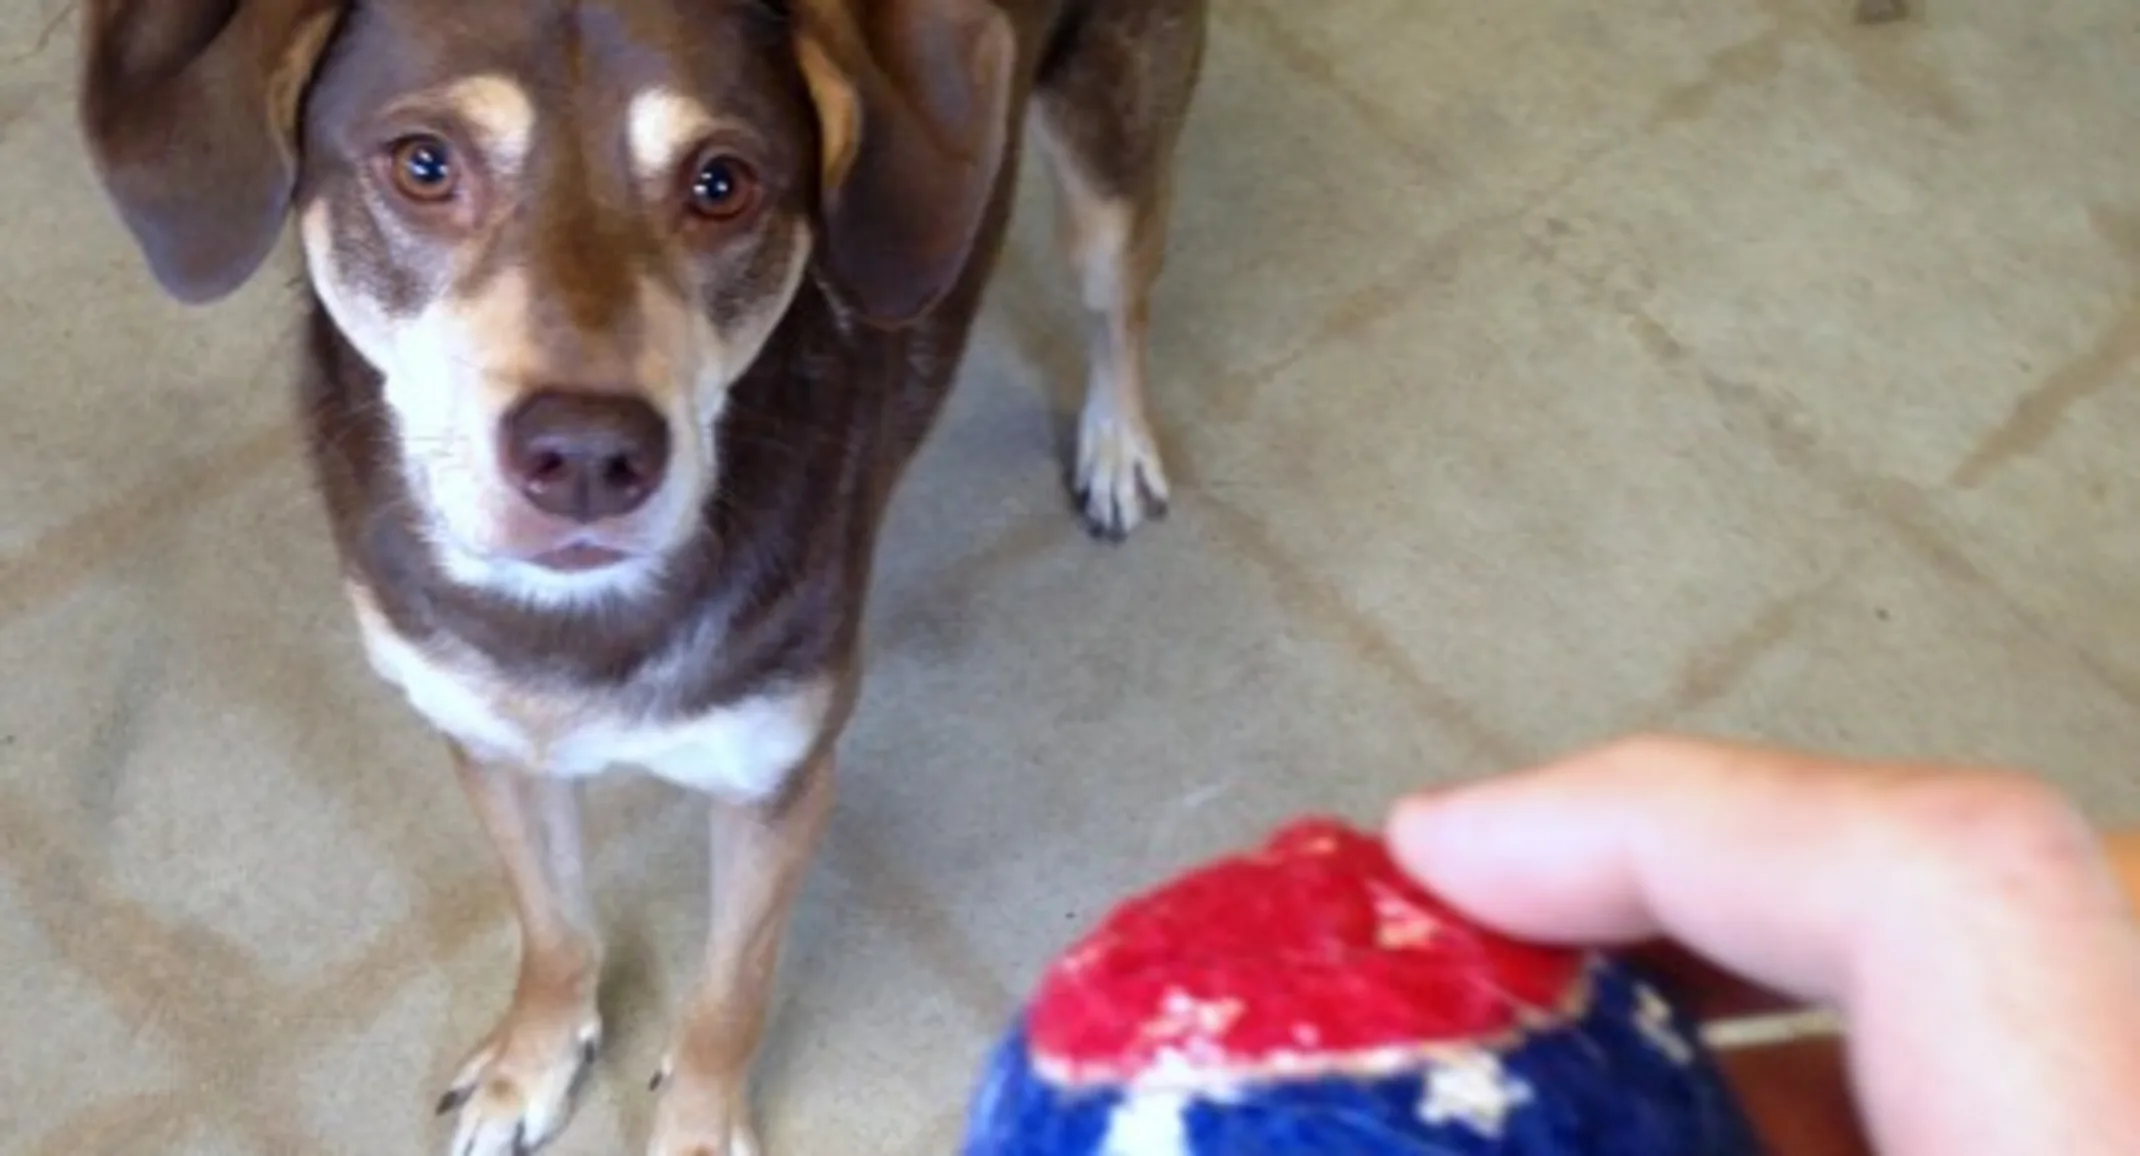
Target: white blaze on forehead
(660, 127)
(500, 114)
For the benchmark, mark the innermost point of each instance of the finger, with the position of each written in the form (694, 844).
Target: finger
(1798, 1097)
(1950, 915)
(1705, 843)
(1710, 993)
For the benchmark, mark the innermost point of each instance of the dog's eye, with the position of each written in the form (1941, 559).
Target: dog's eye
(423, 168)
(723, 188)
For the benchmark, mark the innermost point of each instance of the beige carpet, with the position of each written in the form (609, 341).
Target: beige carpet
(1530, 373)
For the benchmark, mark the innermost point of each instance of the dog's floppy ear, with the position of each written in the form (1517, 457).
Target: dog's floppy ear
(913, 101)
(190, 111)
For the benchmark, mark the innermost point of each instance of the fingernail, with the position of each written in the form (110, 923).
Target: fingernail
(1418, 826)
(1416, 813)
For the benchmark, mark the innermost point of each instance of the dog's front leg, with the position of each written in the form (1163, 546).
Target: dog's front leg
(759, 856)
(515, 1090)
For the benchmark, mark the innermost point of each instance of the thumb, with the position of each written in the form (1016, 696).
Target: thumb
(1747, 856)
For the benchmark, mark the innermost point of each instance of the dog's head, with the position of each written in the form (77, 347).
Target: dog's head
(559, 229)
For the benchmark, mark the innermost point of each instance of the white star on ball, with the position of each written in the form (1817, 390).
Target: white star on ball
(1653, 1016)
(1476, 1090)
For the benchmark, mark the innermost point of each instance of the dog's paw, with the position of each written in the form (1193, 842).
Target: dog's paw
(699, 1116)
(515, 1091)
(722, 1139)
(1120, 481)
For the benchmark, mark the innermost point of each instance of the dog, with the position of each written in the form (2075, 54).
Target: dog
(625, 319)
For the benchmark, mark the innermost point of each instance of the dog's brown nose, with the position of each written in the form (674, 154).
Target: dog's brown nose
(585, 456)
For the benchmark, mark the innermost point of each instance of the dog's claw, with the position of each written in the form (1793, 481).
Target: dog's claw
(1107, 521)
(1119, 482)
(517, 1090)
(701, 1126)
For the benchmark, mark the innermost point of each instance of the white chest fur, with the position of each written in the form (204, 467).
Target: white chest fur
(741, 752)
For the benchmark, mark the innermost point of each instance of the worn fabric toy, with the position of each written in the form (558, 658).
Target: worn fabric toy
(1309, 999)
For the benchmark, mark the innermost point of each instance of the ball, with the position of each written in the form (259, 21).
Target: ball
(1308, 998)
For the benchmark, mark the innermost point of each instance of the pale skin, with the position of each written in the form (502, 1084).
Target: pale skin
(1976, 937)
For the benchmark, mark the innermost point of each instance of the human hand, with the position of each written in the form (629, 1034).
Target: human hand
(1966, 925)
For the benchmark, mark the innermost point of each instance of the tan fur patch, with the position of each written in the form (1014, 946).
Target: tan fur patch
(286, 81)
(838, 110)
(660, 128)
(496, 109)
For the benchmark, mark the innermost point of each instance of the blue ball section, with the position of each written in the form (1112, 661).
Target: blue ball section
(1604, 1085)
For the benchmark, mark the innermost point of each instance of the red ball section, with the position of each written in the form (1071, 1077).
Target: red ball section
(1311, 956)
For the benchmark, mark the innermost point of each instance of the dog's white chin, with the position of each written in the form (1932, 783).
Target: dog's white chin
(473, 555)
(546, 588)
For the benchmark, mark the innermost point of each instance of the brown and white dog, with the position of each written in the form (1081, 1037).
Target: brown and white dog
(627, 316)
